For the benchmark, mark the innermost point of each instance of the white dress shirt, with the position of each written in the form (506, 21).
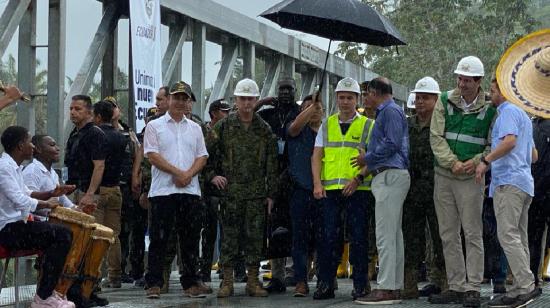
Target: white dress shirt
(179, 143)
(15, 200)
(38, 178)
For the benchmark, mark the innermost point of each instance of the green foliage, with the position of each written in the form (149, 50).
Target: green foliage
(439, 33)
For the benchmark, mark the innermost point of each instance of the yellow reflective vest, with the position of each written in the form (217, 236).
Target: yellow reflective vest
(339, 149)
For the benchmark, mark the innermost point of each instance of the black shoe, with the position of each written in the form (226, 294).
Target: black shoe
(447, 297)
(97, 301)
(471, 299)
(275, 286)
(503, 301)
(359, 292)
(428, 290)
(323, 292)
(529, 297)
(125, 278)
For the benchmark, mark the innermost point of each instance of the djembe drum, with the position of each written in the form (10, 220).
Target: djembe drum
(81, 226)
(102, 237)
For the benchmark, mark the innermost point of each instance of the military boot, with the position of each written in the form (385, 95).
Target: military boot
(253, 285)
(226, 288)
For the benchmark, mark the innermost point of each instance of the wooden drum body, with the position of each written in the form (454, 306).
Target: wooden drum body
(102, 237)
(81, 226)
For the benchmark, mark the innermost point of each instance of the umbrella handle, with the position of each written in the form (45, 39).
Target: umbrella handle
(325, 67)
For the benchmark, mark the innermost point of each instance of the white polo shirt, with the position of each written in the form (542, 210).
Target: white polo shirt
(15, 200)
(179, 143)
(38, 178)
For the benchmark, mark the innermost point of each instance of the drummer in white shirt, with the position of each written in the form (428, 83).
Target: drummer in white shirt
(39, 175)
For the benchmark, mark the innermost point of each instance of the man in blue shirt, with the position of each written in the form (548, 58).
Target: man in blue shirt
(301, 140)
(387, 159)
(512, 189)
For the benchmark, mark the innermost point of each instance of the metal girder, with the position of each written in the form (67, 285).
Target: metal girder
(172, 56)
(109, 62)
(96, 51)
(287, 67)
(26, 69)
(198, 70)
(11, 18)
(271, 77)
(229, 57)
(56, 70)
(249, 59)
(307, 83)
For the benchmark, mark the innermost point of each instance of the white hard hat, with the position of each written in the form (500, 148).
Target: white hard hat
(348, 84)
(247, 87)
(427, 85)
(470, 66)
(410, 101)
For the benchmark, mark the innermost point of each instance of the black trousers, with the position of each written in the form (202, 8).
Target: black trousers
(209, 233)
(539, 217)
(133, 225)
(54, 240)
(183, 211)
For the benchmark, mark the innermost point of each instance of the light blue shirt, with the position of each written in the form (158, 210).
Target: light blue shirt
(515, 167)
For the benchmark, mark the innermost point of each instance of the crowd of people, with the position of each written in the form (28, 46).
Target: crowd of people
(274, 179)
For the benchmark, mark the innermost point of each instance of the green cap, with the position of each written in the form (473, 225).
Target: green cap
(180, 87)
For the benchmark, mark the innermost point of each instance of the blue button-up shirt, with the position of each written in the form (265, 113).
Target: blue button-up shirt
(513, 168)
(389, 140)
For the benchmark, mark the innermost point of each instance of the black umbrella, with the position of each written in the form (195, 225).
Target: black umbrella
(342, 20)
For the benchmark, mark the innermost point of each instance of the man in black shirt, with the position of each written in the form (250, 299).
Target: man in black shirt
(284, 111)
(85, 159)
(110, 198)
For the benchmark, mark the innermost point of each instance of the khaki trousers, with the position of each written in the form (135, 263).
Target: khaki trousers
(390, 190)
(511, 211)
(459, 204)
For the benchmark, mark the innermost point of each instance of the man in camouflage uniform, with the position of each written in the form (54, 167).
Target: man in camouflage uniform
(243, 163)
(419, 207)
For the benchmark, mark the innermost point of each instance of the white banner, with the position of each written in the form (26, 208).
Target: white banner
(146, 55)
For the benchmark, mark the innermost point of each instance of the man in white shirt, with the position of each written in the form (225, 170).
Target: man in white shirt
(175, 147)
(39, 175)
(17, 201)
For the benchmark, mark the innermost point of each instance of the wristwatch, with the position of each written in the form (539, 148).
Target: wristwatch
(483, 160)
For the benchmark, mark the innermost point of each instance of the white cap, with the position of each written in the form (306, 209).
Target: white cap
(247, 87)
(427, 85)
(348, 84)
(470, 66)
(410, 101)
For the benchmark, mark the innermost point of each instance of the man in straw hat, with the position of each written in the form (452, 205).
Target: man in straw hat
(523, 75)
(459, 135)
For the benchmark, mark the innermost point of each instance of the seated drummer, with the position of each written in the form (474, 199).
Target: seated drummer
(39, 175)
(16, 202)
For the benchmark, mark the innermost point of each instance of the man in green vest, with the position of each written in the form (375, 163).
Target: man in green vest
(459, 136)
(339, 186)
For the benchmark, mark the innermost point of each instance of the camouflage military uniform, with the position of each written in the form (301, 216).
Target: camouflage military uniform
(419, 207)
(248, 159)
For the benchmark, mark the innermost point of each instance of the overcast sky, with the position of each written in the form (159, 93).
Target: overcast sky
(83, 17)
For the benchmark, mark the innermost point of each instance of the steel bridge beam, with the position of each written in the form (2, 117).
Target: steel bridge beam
(10, 20)
(26, 66)
(273, 65)
(56, 70)
(229, 57)
(198, 67)
(171, 61)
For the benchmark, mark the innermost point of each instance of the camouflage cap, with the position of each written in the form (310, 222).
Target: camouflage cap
(219, 104)
(181, 87)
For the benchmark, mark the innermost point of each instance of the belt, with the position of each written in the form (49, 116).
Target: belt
(380, 170)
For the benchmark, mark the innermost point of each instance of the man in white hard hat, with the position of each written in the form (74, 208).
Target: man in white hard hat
(339, 186)
(460, 133)
(387, 159)
(243, 166)
(419, 209)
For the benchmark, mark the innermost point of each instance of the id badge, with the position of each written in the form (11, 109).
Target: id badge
(281, 146)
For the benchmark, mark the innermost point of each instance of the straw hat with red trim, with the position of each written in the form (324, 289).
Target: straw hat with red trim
(523, 73)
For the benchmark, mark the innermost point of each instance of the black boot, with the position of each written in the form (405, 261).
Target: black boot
(324, 291)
